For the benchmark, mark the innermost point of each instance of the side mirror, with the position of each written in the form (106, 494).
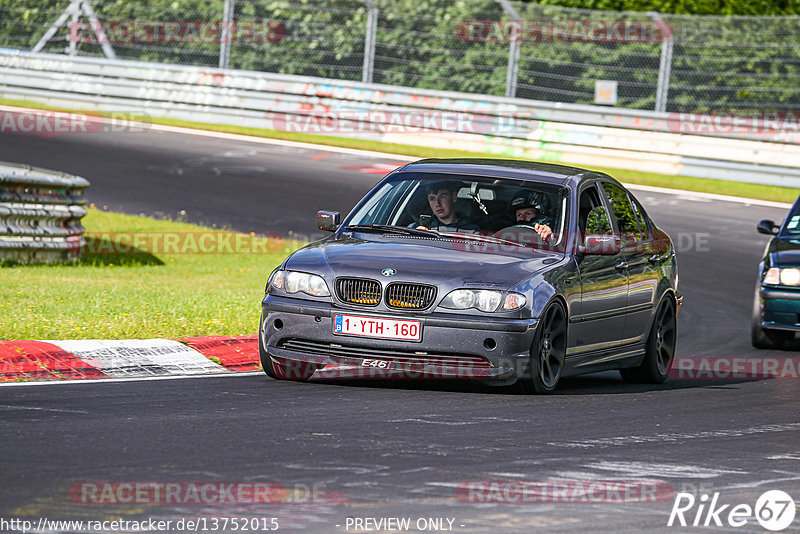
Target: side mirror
(601, 245)
(328, 221)
(767, 227)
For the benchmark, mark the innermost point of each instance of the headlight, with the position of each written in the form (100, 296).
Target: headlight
(790, 277)
(485, 300)
(296, 282)
(787, 277)
(460, 299)
(488, 301)
(277, 280)
(514, 301)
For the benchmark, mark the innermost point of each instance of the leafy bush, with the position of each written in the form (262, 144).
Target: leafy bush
(719, 63)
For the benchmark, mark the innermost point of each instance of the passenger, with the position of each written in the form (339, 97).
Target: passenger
(530, 209)
(442, 201)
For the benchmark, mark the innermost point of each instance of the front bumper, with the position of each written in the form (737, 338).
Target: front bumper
(299, 332)
(780, 308)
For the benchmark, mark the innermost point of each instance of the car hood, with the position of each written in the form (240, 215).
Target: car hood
(785, 251)
(439, 262)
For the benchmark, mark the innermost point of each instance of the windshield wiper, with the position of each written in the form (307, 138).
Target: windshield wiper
(488, 239)
(389, 229)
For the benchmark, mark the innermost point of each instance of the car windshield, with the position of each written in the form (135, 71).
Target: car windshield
(793, 222)
(480, 208)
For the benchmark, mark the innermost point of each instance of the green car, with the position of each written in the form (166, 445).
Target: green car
(776, 306)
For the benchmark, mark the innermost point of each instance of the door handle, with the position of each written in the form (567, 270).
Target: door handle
(622, 264)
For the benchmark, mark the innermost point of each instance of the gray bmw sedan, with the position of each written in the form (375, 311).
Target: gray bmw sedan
(508, 272)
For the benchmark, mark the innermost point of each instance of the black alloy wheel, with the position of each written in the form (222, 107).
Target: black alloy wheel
(660, 348)
(548, 352)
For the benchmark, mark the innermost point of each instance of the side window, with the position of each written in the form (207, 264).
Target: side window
(623, 212)
(641, 218)
(592, 215)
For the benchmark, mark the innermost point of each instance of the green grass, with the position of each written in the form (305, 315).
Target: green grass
(142, 295)
(705, 185)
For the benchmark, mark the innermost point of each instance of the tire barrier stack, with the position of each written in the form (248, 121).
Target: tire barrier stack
(40, 215)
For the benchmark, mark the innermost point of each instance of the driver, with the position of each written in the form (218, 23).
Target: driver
(442, 201)
(530, 209)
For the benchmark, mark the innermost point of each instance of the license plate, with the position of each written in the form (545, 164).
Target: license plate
(380, 364)
(358, 325)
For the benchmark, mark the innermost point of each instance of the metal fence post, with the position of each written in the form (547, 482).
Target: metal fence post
(73, 43)
(665, 63)
(370, 41)
(225, 36)
(74, 10)
(513, 51)
(105, 43)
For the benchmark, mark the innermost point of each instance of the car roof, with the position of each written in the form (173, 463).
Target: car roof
(506, 168)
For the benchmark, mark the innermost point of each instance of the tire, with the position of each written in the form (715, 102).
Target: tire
(266, 361)
(764, 338)
(659, 350)
(548, 352)
(297, 371)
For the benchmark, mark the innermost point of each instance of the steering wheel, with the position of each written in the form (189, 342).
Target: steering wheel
(523, 234)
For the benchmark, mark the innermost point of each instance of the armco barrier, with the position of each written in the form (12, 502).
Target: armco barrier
(575, 134)
(40, 214)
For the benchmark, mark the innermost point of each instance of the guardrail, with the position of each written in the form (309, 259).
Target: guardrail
(574, 134)
(40, 214)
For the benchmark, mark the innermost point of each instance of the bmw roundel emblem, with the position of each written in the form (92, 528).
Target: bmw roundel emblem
(388, 272)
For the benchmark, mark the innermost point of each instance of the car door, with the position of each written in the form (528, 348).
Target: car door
(642, 263)
(603, 279)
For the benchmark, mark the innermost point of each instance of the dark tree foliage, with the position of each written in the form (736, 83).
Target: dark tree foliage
(756, 8)
(726, 63)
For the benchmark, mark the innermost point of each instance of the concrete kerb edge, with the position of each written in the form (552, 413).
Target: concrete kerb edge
(128, 359)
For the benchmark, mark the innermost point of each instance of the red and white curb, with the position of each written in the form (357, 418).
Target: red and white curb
(22, 361)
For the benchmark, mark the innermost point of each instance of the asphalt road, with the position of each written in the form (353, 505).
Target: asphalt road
(247, 186)
(382, 450)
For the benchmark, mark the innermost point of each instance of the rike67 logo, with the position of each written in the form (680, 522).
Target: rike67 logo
(774, 510)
